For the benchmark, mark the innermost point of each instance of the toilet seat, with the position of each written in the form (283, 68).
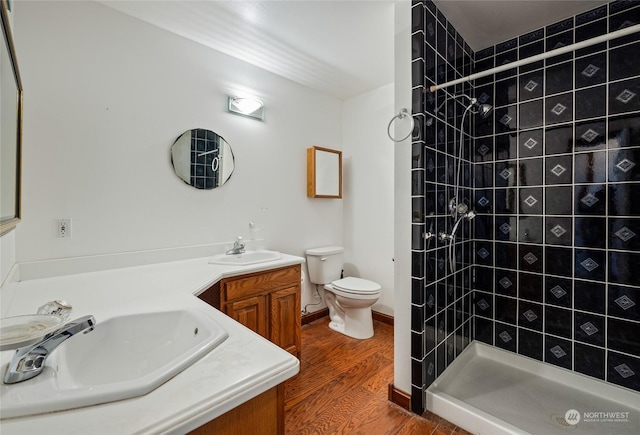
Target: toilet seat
(356, 286)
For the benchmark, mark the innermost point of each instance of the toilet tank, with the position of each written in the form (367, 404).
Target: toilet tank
(325, 264)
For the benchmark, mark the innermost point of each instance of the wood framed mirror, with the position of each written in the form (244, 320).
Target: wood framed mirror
(10, 127)
(324, 173)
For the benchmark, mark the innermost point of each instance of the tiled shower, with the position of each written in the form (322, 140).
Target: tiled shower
(549, 267)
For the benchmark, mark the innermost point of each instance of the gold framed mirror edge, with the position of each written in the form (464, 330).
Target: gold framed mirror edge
(10, 223)
(312, 187)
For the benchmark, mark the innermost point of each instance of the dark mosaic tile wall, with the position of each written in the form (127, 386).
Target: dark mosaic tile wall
(441, 321)
(557, 188)
(547, 269)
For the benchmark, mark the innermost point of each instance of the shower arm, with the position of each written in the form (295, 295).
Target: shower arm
(472, 101)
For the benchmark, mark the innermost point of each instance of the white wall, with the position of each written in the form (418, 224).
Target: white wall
(7, 254)
(368, 191)
(402, 203)
(105, 97)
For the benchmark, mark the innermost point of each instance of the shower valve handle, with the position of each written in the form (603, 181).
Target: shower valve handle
(444, 237)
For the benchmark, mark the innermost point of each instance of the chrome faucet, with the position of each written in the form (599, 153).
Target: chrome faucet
(238, 247)
(28, 361)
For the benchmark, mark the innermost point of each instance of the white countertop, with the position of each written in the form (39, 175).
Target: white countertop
(242, 367)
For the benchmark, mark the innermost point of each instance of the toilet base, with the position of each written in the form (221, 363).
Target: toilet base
(355, 325)
(337, 326)
(352, 322)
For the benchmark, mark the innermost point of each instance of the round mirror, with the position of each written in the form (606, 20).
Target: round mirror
(202, 159)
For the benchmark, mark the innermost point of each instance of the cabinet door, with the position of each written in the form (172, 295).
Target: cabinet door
(251, 312)
(284, 317)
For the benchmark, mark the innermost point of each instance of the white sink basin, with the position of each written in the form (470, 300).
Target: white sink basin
(246, 258)
(123, 357)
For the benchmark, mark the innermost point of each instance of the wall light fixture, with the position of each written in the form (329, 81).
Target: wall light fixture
(247, 106)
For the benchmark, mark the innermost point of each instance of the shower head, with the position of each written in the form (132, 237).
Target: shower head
(484, 109)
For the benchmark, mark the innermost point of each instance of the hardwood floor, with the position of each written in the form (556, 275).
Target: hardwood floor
(343, 384)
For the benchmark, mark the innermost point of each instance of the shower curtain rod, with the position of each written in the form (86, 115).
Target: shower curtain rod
(578, 45)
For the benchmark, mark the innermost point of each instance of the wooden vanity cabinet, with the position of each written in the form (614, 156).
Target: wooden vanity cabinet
(262, 415)
(266, 302)
(251, 312)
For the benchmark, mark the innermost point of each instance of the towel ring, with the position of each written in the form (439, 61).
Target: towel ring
(403, 113)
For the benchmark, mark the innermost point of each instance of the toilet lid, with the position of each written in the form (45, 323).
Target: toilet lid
(356, 285)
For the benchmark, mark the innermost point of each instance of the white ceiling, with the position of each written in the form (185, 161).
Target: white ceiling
(338, 47)
(341, 48)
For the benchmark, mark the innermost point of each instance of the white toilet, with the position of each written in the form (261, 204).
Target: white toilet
(349, 299)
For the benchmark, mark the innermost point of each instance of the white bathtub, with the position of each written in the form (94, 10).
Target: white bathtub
(490, 391)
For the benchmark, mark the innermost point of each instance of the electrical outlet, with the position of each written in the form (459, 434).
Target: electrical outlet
(63, 228)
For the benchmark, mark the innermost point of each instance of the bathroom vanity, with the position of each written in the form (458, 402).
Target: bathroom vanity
(266, 302)
(236, 386)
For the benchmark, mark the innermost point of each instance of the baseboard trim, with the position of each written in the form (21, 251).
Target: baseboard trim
(308, 318)
(380, 317)
(399, 397)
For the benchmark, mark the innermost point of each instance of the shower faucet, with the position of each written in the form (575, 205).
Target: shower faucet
(444, 237)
